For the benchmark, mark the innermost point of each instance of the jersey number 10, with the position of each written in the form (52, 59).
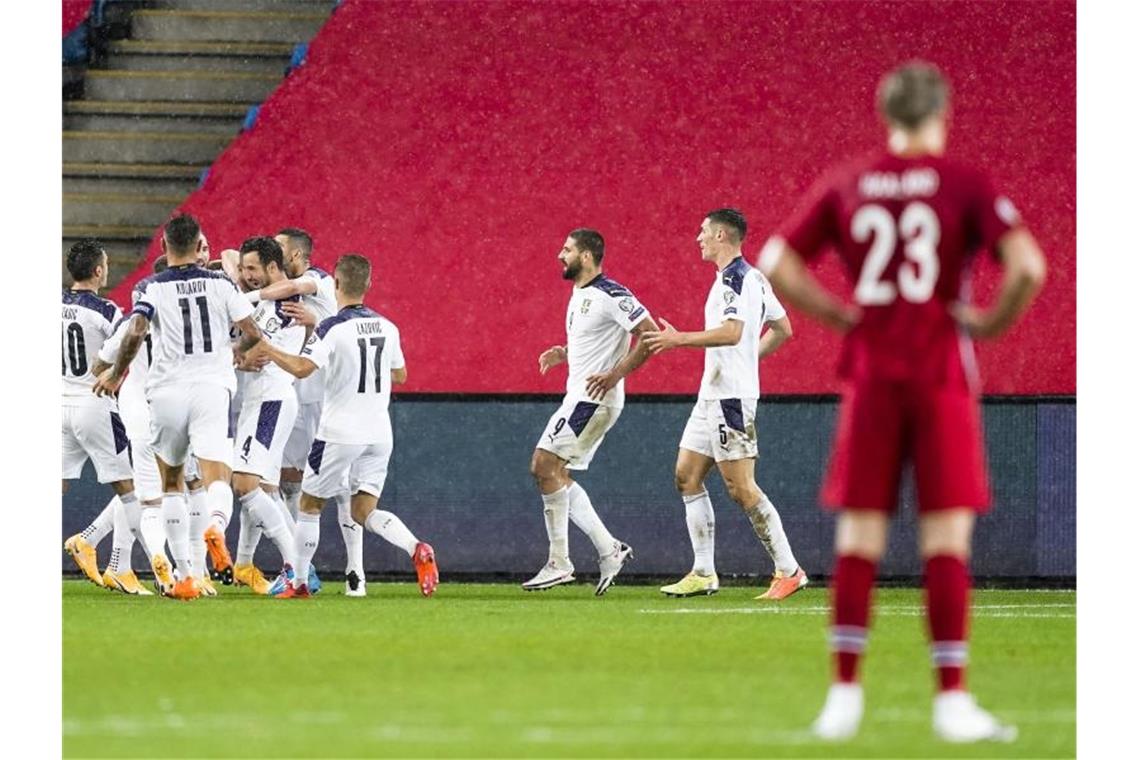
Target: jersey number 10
(362, 344)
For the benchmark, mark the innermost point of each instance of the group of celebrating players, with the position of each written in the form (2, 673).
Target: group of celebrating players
(906, 223)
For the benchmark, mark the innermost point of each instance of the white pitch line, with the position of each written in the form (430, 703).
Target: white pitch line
(986, 610)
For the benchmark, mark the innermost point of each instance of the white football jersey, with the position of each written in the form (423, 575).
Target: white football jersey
(741, 293)
(272, 382)
(88, 321)
(310, 389)
(357, 349)
(599, 319)
(191, 310)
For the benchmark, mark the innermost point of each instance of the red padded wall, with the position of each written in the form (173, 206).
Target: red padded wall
(457, 143)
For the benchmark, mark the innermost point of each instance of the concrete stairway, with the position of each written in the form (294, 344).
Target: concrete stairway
(162, 106)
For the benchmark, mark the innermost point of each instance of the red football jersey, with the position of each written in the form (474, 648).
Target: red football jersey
(907, 230)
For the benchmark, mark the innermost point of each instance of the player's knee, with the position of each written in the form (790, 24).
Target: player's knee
(542, 469)
(686, 481)
(360, 512)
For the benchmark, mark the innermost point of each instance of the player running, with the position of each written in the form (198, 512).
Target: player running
(92, 427)
(721, 430)
(599, 318)
(189, 388)
(361, 356)
(906, 224)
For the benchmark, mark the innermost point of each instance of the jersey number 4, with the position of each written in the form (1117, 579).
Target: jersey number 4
(362, 344)
(920, 232)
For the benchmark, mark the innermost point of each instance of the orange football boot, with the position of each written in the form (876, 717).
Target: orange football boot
(295, 592)
(784, 586)
(426, 570)
(219, 555)
(185, 589)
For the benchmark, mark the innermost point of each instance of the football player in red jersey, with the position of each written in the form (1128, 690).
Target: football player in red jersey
(906, 224)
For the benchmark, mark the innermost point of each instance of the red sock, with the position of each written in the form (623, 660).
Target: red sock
(851, 609)
(947, 608)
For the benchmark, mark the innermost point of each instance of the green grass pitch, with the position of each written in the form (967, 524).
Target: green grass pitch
(488, 670)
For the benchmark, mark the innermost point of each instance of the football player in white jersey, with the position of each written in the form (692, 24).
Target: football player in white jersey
(189, 387)
(268, 410)
(599, 319)
(92, 427)
(318, 302)
(361, 356)
(721, 430)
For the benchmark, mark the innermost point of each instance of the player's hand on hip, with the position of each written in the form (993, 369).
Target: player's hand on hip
(597, 386)
(662, 340)
(551, 357)
(299, 314)
(973, 320)
(107, 384)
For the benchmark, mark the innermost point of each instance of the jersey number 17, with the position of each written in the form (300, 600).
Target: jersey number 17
(362, 344)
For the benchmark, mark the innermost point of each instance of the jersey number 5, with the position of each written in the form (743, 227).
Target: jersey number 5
(920, 231)
(362, 344)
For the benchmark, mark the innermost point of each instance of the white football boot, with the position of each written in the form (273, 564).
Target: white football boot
(842, 712)
(610, 565)
(354, 585)
(958, 719)
(553, 573)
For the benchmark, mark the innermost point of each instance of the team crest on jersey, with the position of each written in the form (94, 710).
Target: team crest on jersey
(586, 306)
(626, 305)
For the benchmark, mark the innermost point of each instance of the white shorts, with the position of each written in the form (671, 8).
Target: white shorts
(136, 418)
(302, 436)
(334, 468)
(94, 429)
(722, 429)
(262, 429)
(184, 417)
(576, 431)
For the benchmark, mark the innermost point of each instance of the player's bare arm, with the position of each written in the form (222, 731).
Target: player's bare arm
(231, 263)
(551, 357)
(110, 379)
(300, 286)
(1024, 274)
(400, 376)
(775, 336)
(297, 366)
(600, 384)
(728, 334)
(786, 270)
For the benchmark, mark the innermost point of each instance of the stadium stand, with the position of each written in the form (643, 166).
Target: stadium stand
(168, 84)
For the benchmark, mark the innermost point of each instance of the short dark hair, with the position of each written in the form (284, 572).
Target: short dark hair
(300, 238)
(182, 233)
(160, 264)
(82, 258)
(355, 274)
(267, 249)
(912, 93)
(731, 218)
(590, 240)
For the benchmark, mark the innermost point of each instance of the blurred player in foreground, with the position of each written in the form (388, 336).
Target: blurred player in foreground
(721, 430)
(906, 224)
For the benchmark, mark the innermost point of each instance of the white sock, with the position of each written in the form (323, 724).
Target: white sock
(770, 530)
(266, 514)
(286, 516)
(556, 510)
(152, 527)
(220, 498)
(391, 529)
(305, 546)
(291, 490)
(583, 514)
(103, 524)
(701, 520)
(249, 533)
(352, 534)
(134, 514)
(122, 540)
(177, 514)
(199, 521)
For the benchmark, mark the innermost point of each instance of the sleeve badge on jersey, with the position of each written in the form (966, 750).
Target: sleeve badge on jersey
(1006, 211)
(729, 296)
(626, 305)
